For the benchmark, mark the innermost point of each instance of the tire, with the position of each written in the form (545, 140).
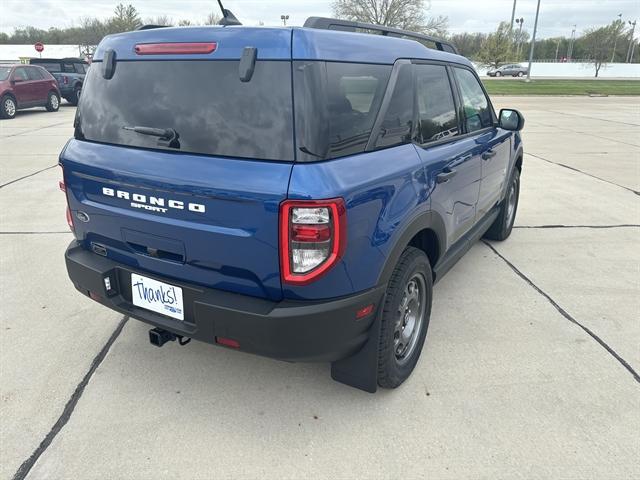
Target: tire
(8, 107)
(520, 74)
(407, 305)
(53, 102)
(498, 74)
(74, 98)
(502, 226)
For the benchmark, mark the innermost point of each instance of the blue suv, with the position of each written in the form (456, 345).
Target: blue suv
(288, 192)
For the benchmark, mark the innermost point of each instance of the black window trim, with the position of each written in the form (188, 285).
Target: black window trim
(457, 98)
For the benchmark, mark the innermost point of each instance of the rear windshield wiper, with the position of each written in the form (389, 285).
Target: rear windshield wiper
(166, 136)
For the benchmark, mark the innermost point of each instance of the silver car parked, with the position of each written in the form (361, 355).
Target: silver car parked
(512, 69)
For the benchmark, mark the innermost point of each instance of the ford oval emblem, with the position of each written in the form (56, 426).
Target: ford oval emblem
(82, 216)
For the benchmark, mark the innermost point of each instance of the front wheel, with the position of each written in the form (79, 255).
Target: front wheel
(501, 228)
(405, 318)
(498, 74)
(53, 102)
(520, 74)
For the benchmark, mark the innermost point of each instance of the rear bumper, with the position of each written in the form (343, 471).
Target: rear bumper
(288, 330)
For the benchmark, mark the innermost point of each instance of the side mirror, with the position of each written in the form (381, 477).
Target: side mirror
(16, 80)
(511, 120)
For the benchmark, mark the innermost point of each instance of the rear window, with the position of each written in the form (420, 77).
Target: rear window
(336, 105)
(204, 102)
(4, 72)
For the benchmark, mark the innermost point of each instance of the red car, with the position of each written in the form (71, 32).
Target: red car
(26, 86)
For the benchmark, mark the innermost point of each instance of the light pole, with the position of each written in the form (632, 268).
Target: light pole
(513, 14)
(533, 42)
(632, 44)
(615, 41)
(284, 19)
(573, 37)
(519, 21)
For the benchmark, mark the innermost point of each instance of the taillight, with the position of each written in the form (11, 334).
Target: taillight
(175, 48)
(65, 79)
(63, 187)
(313, 237)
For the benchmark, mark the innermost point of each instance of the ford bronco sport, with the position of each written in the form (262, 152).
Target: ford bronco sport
(288, 192)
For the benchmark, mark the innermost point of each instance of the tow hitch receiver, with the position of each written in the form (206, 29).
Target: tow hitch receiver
(159, 337)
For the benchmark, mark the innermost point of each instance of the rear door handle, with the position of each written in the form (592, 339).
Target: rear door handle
(446, 176)
(488, 154)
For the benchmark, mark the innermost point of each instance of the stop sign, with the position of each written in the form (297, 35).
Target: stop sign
(39, 47)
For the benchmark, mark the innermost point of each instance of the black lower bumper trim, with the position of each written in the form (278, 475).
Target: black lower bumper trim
(286, 330)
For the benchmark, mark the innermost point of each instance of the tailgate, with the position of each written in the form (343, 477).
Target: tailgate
(201, 219)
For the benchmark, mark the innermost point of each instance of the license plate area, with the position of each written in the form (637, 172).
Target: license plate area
(156, 296)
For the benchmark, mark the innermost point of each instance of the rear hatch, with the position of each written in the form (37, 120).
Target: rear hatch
(178, 167)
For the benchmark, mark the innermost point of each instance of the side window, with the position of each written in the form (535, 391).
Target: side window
(34, 74)
(436, 108)
(20, 74)
(52, 67)
(477, 110)
(396, 126)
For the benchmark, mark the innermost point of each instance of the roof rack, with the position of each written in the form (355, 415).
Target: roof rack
(351, 26)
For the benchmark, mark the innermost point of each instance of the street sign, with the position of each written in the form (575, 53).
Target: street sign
(39, 47)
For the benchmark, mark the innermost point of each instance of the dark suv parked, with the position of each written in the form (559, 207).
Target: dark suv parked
(288, 192)
(25, 86)
(69, 72)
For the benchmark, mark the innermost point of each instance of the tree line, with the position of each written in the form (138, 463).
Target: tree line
(505, 45)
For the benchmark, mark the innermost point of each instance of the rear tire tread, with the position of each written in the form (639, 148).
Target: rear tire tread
(389, 375)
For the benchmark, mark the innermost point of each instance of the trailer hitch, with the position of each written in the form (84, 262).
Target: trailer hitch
(159, 337)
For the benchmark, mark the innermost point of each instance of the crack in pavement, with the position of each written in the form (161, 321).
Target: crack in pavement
(591, 118)
(28, 464)
(584, 173)
(27, 176)
(566, 315)
(624, 225)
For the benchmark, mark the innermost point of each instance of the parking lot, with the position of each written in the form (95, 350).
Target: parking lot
(530, 369)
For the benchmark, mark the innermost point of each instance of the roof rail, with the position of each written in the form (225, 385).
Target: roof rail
(351, 26)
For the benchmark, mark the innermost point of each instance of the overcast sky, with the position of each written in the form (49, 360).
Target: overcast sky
(556, 16)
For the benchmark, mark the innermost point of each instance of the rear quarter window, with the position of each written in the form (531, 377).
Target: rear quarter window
(336, 105)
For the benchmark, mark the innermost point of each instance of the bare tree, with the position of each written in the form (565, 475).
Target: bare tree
(162, 20)
(405, 14)
(212, 19)
(598, 43)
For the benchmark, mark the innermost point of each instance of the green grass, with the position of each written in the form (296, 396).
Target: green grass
(562, 87)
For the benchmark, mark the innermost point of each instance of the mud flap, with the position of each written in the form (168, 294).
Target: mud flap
(360, 370)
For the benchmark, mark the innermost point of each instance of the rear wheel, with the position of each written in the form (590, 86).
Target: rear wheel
(405, 318)
(503, 224)
(53, 102)
(520, 74)
(8, 107)
(74, 98)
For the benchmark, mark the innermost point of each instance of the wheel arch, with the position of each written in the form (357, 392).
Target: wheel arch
(425, 232)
